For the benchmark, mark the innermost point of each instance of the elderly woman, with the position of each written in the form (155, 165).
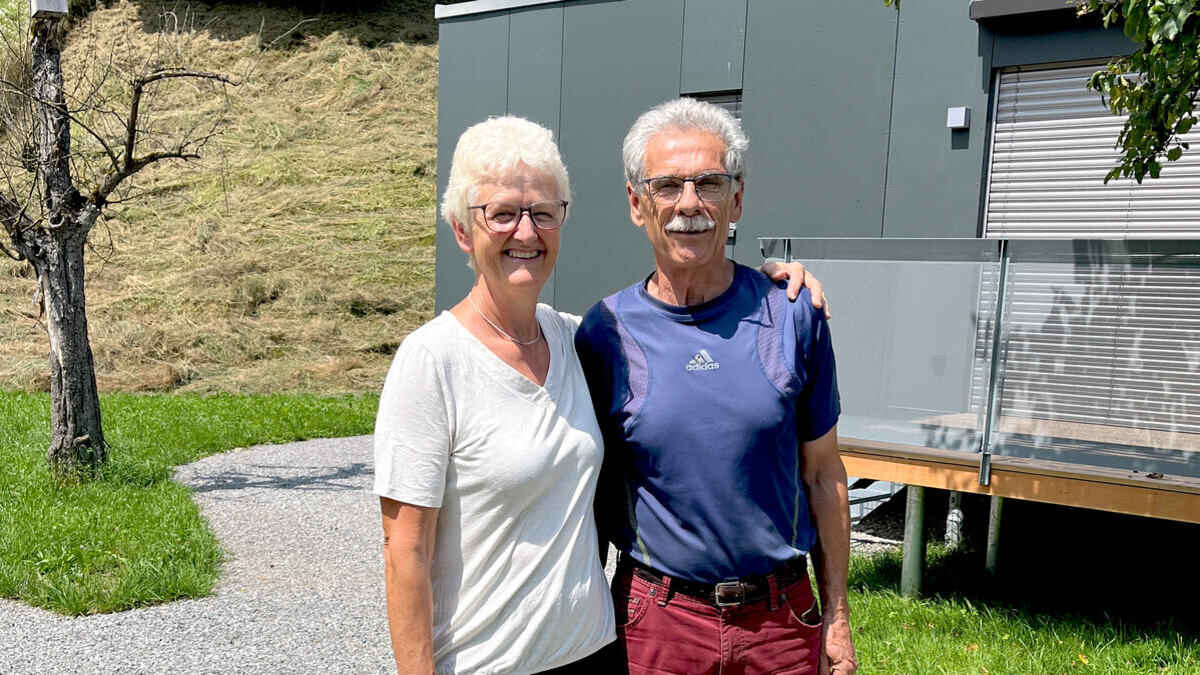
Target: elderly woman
(487, 447)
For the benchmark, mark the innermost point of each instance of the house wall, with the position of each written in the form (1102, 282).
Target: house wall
(844, 103)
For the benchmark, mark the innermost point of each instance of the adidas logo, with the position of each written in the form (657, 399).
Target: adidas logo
(702, 361)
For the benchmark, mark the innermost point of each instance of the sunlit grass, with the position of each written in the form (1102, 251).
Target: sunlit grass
(134, 537)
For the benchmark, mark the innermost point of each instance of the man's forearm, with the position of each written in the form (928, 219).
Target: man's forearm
(829, 502)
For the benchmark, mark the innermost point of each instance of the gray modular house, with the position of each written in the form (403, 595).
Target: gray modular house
(1006, 323)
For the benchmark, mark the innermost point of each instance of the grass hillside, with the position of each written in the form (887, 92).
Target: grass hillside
(299, 251)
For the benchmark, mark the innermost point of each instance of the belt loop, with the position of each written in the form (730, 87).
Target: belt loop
(772, 593)
(665, 591)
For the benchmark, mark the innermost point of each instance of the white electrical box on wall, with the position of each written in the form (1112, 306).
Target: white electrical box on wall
(958, 118)
(44, 9)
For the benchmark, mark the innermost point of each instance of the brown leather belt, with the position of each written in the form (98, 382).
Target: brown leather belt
(732, 593)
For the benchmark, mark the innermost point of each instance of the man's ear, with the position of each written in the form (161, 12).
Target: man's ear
(736, 214)
(462, 236)
(635, 205)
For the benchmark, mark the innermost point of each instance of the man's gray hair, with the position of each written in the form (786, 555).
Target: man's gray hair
(684, 114)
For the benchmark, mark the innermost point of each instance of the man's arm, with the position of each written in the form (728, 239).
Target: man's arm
(828, 500)
(408, 540)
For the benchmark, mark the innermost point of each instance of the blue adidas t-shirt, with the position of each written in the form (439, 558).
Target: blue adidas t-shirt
(703, 409)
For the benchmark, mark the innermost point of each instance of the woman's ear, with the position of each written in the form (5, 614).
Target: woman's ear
(462, 235)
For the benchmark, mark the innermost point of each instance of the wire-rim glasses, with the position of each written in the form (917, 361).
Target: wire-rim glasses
(711, 188)
(504, 217)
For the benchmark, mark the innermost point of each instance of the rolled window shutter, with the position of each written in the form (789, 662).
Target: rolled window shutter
(1111, 342)
(1052, 144)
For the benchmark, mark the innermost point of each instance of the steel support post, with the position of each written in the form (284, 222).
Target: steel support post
(993, 535)
(914, 542)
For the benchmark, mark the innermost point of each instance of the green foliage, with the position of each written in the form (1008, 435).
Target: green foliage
(134, 537)
(1157, 85)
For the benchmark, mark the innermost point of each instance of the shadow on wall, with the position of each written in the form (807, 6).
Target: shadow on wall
(1102, 363)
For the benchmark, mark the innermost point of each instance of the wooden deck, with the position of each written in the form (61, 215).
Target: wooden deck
(1120, 491)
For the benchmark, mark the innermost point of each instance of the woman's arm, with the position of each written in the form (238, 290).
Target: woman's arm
(797, 277)
(408, 536)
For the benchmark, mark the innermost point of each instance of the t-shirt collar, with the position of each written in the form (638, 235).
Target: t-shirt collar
(694, 313)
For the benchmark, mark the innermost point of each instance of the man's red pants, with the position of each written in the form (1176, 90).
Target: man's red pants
(665, 632)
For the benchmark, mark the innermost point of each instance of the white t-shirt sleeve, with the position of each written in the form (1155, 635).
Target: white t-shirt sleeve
(571, 321)
(413, 431)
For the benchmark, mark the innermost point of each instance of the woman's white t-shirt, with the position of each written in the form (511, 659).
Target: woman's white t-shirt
(517, 581)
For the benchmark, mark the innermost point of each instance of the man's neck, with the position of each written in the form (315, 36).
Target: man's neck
(686, 287)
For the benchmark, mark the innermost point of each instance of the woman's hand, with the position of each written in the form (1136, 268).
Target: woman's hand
(797, 277)
(408, 537)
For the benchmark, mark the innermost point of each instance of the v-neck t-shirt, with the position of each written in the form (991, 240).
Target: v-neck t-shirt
(512, 466)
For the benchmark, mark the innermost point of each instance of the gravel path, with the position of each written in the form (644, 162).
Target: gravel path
(301, 590)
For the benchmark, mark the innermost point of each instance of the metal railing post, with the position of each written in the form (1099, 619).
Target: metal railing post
(991, 411)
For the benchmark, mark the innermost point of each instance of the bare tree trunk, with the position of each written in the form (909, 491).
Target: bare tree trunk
(49, 226)
(77, 440)
(53, 125)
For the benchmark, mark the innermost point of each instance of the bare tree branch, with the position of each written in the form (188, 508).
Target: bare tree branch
(112, 156)
(114, 178)
(139, 85)
(20, 228)
(15, 255)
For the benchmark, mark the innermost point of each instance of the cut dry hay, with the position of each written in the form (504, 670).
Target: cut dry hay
(299, 251)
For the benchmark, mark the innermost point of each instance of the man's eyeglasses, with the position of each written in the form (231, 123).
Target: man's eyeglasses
(504, 217)
(710, 187)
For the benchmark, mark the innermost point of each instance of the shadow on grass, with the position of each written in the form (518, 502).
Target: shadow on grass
(1070, 564)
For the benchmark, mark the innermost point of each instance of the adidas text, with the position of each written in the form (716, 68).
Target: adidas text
(702, 361)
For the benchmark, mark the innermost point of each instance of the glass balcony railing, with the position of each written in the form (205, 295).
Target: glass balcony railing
(1085, 352)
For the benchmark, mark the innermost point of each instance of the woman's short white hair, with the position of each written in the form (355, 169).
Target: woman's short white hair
(684, 114)
(492, 151)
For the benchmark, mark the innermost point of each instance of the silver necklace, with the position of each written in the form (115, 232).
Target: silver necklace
(501, 330)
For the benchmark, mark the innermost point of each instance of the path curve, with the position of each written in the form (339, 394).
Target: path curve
(301, 590)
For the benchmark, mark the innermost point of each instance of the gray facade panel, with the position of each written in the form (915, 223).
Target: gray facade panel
(607, 82)
(714, 42)
(535, 64)
(534, 74)
(1060, 46)
(935, 173)
(817, 115)
(472, 84)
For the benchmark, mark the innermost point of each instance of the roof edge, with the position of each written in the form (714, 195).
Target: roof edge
(481, 6)
(982, 10)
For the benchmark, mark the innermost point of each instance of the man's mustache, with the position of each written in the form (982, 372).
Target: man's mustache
(697, 223)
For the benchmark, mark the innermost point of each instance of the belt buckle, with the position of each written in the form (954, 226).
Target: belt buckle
(725, 589)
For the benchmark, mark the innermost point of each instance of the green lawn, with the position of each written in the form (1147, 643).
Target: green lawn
(967, 625)
(134, 537)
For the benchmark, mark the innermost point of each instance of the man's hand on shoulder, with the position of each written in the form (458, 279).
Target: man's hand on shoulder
(797, 278)
(839, 657)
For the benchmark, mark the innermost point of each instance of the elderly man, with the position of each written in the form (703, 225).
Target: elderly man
(718, 403)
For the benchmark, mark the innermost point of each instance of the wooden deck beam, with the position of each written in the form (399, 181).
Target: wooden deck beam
(1171, 497)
